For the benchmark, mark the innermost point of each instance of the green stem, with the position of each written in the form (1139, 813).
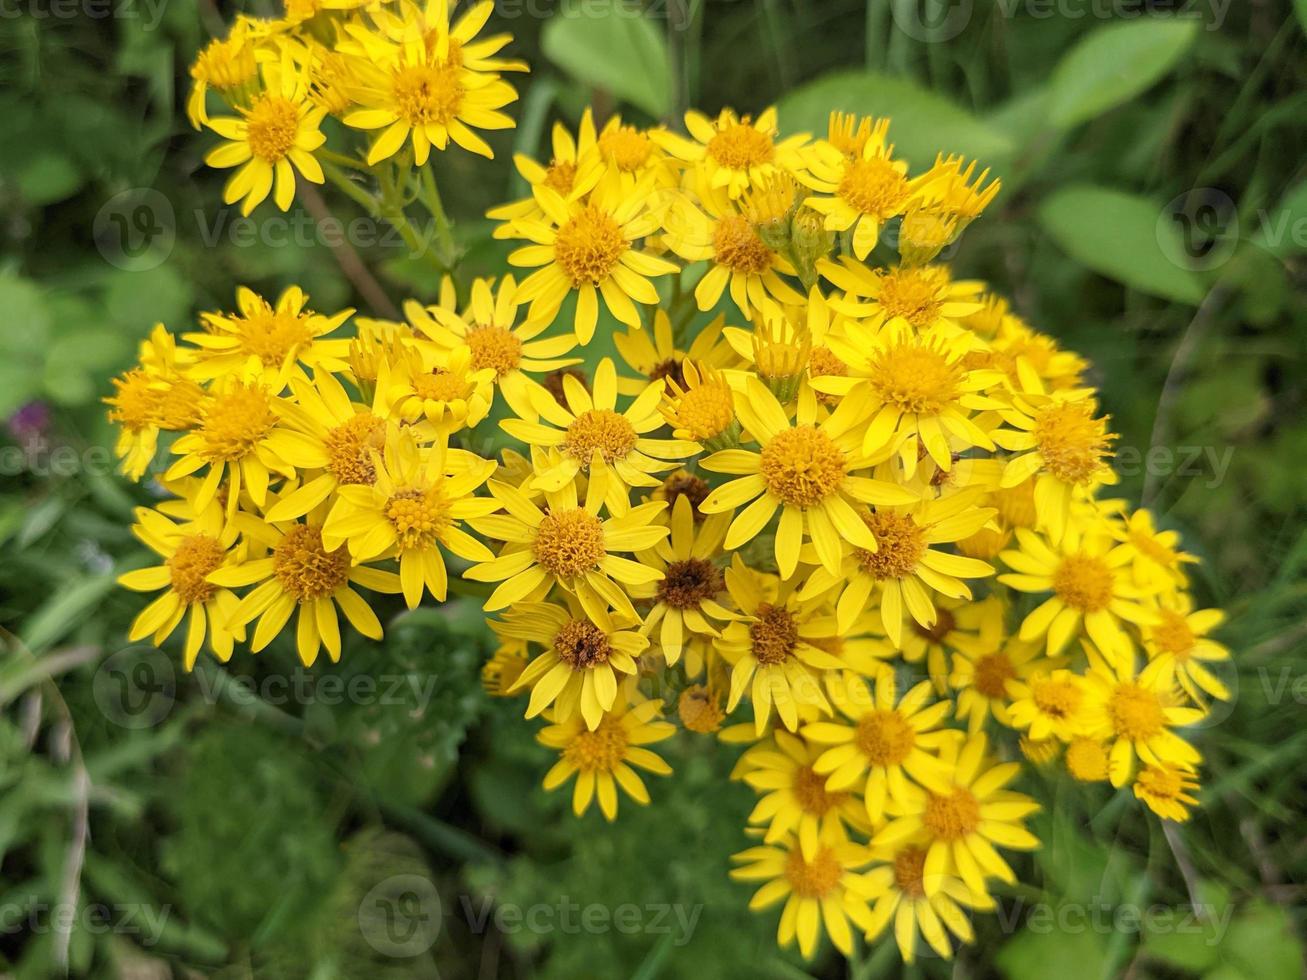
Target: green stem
(444, 228)
(342, 180)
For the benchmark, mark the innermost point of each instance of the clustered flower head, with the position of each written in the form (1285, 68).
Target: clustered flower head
(833, 503)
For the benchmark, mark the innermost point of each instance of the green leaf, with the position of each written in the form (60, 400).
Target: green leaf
(922, 123)
(64, 610)
(611, 45)
(1261, 945)
(1114, 64)
(1300, 8)
(48, 177)
(1051, 952)
(1123, 237)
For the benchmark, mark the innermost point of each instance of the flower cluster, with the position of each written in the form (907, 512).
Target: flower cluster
(829, 501)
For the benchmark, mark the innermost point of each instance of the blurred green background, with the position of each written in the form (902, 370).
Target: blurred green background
(364, 820)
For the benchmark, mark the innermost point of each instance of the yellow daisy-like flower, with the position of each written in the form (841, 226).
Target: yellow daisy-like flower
(704, 409)
(582, 666)
(713, 230)
(686, 600)
(490, 330)
(300, 575)
(501, 671)
(590, 248)
(1168, 790)
(568, 545)
(416, 94)
(456, 43)
(822, 890)
(412, 510)
(1091, 589)
(1086, 759)
(191, 551)
(266, 343)
(989, 668)
(654, 356)
(735, 152)
(335, 436)
(607, 757)
(1064, 447)
(1158, 558)
(957, 191)
(1136, 714)
(804, 470)
(239, 438)
(890, 739)
(271, 140)
(961, 824)
(913, 391)
(227, 65)
(439, 387)
(858, 192)
(898, 888)
(771, 649)
(905, 567)
(1179, 638)
(611, 448)
(925, 297)
(573, 171)
(795, 798)
(151, 398)
(1051, 704)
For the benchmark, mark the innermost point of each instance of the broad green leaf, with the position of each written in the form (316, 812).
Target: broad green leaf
(48, 177)
(922, 123)
(1044, 950)
(1114, 64)
(1261, 945)
(611, 45)
(1123, 237)
(1282, 231)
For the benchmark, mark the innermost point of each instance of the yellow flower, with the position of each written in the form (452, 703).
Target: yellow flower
(501, 671)
(496, 341)
(825, 889)
(704, 410)
(898, 887)
(574, 170)
(713, 230)
(911, 390)
(1090, 584)
(795, 798)
(771, 651)
(925, 297)
(989, 668)
(412, 510)
(582, 666)
(603, 759)
(416, 94)
(1167, 790)
(611, 448)
(230, 66)
(657, 356)
(151, 398)
(957, 626)
(566, 545)
(238, 437)
(905, 567)
(961, 825)
(804, 470)
(590, 248)
(191, 551)
(302, 576)
(456, 44)
(860, 191)
(439, 387)
(334, 436)
(735, 152)
(1050, 704)
(1064, 447)
(1179, 638)
(1086, 759)
(1137, 713)
(686, 604)
(960, 193)
(266, 343)
(890, 740)
(1158, 558)
(273, 138)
